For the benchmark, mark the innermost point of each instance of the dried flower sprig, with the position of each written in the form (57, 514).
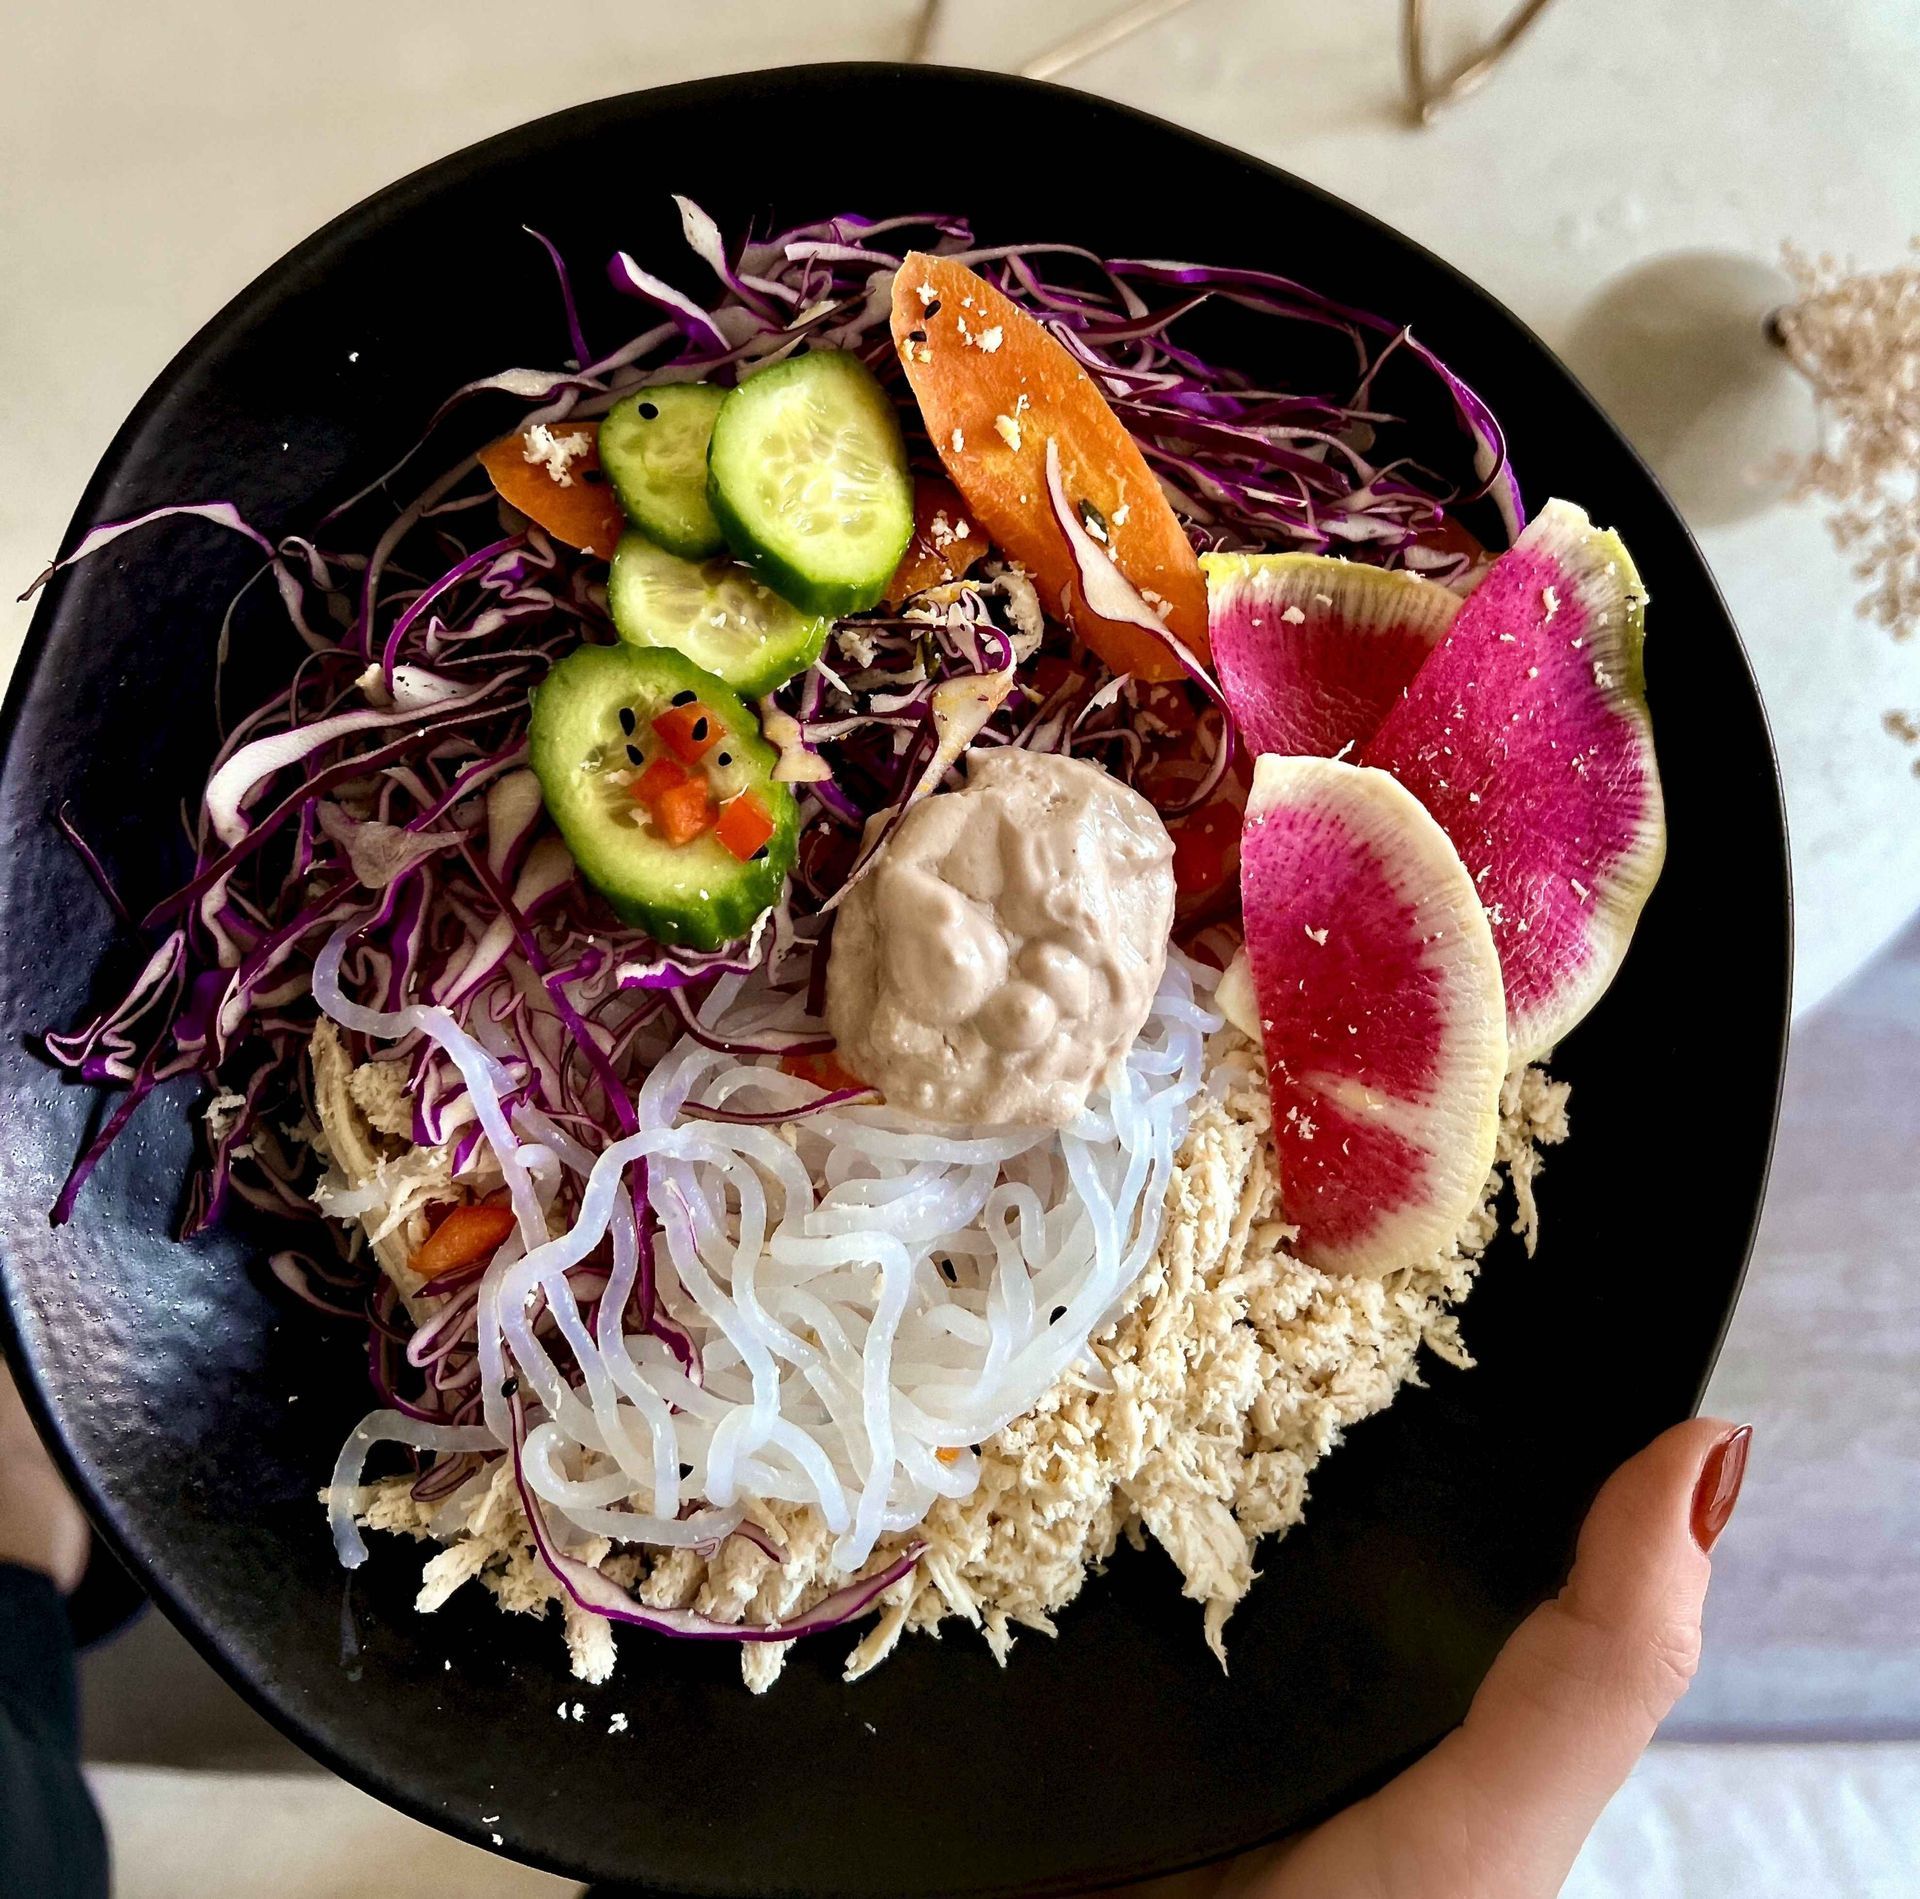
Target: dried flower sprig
(1855, 335)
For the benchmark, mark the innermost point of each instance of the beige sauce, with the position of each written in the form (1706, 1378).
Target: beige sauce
(1006, 945)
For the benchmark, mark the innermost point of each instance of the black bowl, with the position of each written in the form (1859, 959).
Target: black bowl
(198, 1412)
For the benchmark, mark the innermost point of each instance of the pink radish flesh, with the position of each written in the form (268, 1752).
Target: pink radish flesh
(1313, 653)
(1381, 1013)
(1527, 736)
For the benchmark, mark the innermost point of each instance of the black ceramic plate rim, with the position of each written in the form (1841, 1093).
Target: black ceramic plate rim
(375, 209)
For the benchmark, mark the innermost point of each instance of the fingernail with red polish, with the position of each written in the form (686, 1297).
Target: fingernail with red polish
(1718, 1487)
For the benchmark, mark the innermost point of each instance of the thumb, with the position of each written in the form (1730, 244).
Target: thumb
(1502, 1805)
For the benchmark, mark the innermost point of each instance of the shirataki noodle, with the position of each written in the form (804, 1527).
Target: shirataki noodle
(864, 1298)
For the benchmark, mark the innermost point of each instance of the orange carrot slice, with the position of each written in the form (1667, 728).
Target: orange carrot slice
(585, 513)
(945, 542)
(467, 1234)
(993, 387)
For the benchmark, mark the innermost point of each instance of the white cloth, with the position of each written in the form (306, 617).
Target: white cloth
(1747, 1822)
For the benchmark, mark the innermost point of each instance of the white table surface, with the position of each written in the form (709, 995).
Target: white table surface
(157, 157)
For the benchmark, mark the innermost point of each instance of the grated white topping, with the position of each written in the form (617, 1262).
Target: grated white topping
(555, 453)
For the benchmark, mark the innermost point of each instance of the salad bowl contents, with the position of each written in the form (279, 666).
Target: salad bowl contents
(723, 964)
(857, 952)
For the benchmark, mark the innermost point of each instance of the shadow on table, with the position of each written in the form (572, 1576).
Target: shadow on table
(1812, 1624)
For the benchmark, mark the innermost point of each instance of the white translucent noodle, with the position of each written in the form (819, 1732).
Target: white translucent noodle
(868, 1296)
(385, 1427)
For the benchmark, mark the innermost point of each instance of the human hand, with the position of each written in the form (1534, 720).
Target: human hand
(41, 1527)
(1500, 1808)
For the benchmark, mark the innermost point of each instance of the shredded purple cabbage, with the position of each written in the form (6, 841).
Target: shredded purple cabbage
(378, 788)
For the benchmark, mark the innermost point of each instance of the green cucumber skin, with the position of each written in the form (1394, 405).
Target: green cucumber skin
(681, 521)
(824, 592)
(778, 670)
(653, 886)
(780, 658)
(830, 599)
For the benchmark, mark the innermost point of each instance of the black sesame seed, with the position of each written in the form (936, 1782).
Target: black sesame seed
(1059, 1313)
(933, 309)
(760, 853)
(916, 336)
(593, 477)
(699, 729)
(635, 756)
(627, 720)
(682, 699)
(686, 1470)
(508, 1387)
(649, 410)
(723, 758)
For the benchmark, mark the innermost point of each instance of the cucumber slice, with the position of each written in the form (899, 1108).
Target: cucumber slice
(653, 445)
(807, 474)
(592, 737)
(713, 611)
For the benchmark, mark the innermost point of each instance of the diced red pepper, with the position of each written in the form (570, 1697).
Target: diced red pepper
(1206, 850)
(824, 1071)
(940, 550)
(659, 778)
(689, 732)
(745, 826)
(1047, 674)
(676, 801)
(683, 813)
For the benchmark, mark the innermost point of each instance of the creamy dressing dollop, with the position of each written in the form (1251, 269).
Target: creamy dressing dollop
(1004, 949)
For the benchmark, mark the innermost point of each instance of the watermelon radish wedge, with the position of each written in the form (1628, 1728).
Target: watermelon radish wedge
(1527, 736)
(1381, 1013)
(1312, 652)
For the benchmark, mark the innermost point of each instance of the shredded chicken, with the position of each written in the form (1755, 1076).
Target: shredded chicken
(1233, 1371)
(375, 1175)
